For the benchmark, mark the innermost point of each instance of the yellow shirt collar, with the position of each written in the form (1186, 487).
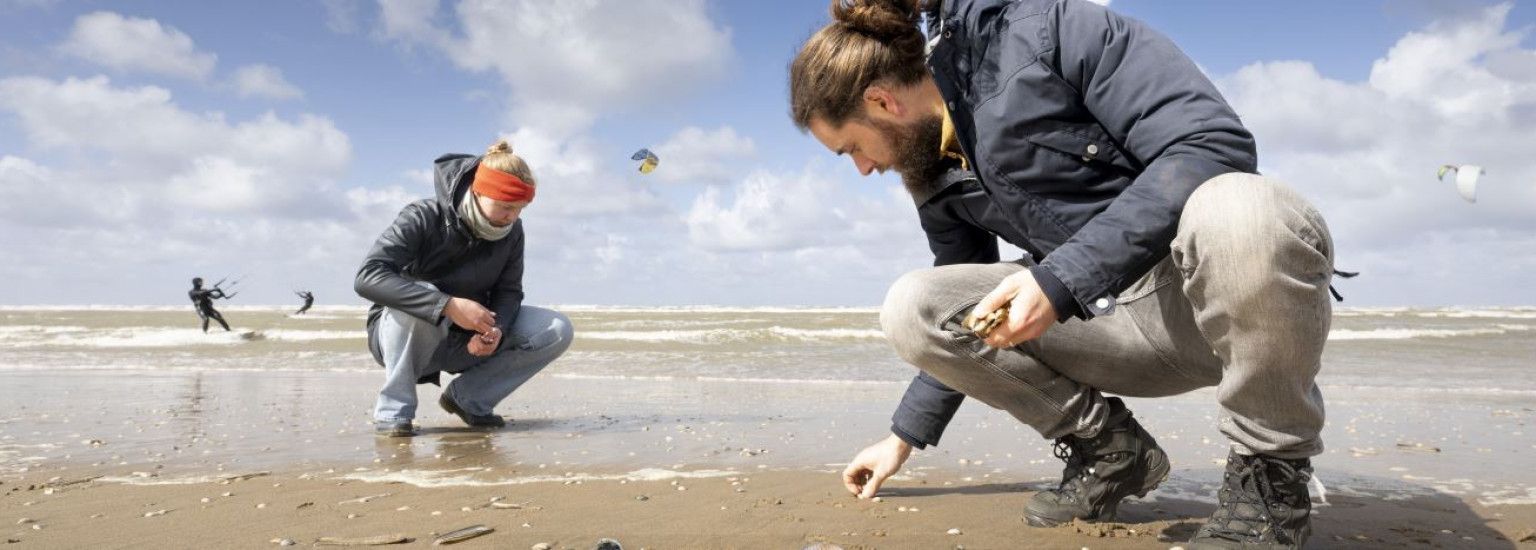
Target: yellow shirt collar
(949, 143)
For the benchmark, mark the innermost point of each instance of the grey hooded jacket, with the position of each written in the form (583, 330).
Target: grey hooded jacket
(428, 243)
(1088, 131)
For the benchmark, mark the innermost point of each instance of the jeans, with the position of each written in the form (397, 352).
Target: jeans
(413, 348)
(1240, 303)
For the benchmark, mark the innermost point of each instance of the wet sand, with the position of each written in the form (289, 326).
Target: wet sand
(85, 455)
(761, 510)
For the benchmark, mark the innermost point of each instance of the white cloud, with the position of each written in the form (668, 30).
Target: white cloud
(1459, 91)
(695, 155)
(262, 80)
(131, 44)
(567, 62)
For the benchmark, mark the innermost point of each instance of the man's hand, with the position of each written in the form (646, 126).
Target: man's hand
(1030, 313)
(874, 465)
(481, 345)
(470, 315)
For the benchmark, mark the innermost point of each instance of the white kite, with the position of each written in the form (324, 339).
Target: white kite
(1466, 178)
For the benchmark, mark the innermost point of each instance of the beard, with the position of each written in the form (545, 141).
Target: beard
(916, 147)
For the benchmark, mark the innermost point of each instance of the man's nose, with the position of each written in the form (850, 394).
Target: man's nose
(864, 165)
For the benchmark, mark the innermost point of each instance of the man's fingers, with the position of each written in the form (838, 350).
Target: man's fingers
(872, 486)
(853, 478)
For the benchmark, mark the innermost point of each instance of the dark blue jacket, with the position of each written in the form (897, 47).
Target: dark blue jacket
(1088, 131)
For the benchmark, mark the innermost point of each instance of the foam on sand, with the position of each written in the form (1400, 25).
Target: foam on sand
(465, 477)
(726, 336)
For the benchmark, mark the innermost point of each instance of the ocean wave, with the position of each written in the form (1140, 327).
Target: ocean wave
(29, 336)
(727, 336)
(1415, 333)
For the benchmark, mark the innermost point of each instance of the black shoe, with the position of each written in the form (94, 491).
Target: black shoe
(1123, 460)
(397, 428)
(487, 421)
(1264, 503)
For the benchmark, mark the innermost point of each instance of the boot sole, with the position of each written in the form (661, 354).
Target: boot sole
(1158, 469)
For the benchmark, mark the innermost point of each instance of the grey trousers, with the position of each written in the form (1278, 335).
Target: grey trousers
(413, 348)
(1241, 303)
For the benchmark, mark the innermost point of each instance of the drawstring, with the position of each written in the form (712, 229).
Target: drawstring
(1346, 275)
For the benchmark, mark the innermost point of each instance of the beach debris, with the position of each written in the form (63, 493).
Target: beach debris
(953, 531)
(284, 542)
(608, 544)
(364, 500)
(1527, 536)
(462, 535)
(648, 160)
(984, 325)
(376, 540)
(156, 513)
(1466, 178)
(1358, 452)
(1416, 447)
(542, 546)
(508, 505)
(303, 505)
(823, 546)
(24, 521)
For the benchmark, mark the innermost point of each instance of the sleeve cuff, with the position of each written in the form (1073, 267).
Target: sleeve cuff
(1061, 298)
(904, 436)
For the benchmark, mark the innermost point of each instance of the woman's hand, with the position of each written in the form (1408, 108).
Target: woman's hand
(470, 315)
(481, 345)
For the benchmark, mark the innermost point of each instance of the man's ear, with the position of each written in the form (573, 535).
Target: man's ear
(880, 99)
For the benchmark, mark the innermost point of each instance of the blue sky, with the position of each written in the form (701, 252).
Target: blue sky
(744, 211)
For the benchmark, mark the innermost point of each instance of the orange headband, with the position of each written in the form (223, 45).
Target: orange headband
(498, 185)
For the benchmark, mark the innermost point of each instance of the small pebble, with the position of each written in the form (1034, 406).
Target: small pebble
(542, 546)
(954, 531)
(261, 505)
(878, 499)
(284, 542)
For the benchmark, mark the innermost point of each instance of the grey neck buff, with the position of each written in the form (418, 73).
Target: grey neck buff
(475, 220)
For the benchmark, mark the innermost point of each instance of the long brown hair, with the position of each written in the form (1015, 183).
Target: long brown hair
(867, 42)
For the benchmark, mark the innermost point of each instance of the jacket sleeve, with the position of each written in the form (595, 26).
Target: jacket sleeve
(507, 297)
(380, 279)
(1165, 113)
(929, 405)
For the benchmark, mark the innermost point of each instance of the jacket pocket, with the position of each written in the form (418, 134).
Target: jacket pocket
(1091, 150)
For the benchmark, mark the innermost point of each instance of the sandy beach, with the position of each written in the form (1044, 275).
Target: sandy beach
(149, 440)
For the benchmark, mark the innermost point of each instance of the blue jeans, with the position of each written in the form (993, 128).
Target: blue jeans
(413, 348)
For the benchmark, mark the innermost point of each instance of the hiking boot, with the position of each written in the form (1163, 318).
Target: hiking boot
(1122, 460)
(395, 428)
(485, 421)
(1264, 504)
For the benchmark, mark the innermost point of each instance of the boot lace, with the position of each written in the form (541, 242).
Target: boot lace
(1077, 470)
(1262, 485)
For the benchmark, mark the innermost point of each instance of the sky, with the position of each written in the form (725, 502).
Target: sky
(144, 143)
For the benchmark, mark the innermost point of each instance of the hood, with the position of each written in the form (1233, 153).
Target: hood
(452, 176)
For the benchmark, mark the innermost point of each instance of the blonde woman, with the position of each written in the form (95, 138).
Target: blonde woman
(446, 281)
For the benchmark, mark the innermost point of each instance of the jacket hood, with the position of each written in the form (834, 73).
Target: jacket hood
(452, 176)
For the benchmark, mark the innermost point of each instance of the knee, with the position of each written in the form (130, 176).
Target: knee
(1249, 215)
(554, 335)
(1230, 205)
(908, 316)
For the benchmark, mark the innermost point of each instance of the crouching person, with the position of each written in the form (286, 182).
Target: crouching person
(446, 282)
